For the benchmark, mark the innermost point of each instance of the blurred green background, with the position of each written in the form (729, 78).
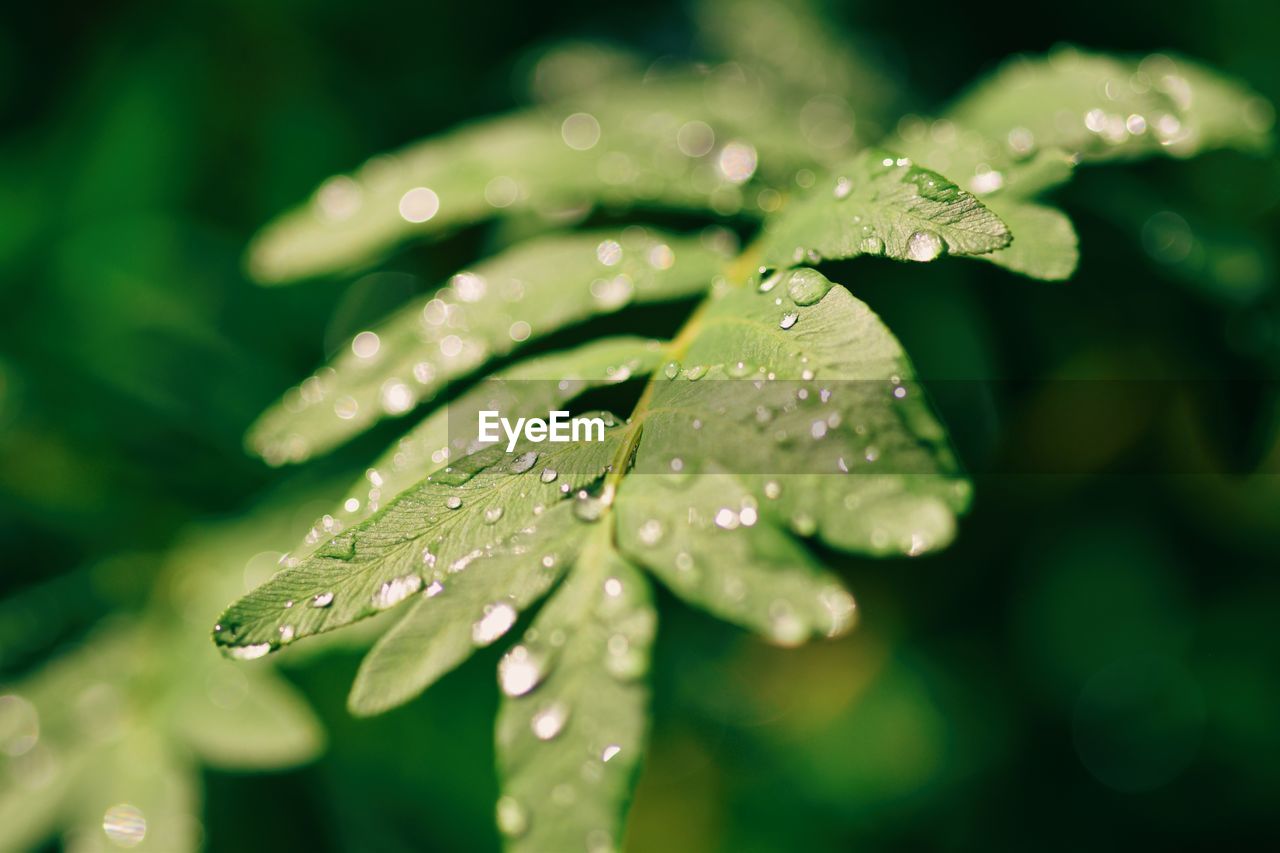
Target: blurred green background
(1093, 664)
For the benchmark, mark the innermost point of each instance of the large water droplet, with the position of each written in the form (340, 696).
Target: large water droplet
(788, 320)
(924, 246)
(453, 502)
(322, 599)
(807, 286)
(548, 475)
(492, 515)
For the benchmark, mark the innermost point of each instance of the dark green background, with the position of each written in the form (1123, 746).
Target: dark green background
(1092, 665)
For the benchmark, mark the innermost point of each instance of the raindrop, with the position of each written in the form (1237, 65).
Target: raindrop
(287, 633)
(807, 286)
(396, 590)
(124, 825)
(549, 721)
(924, 246)
(611, 293)
(548, 475)
(786, 628)
(520, 331)
(726, 519)
(496, 621)
(671, 369)
(651, 532)
(513, 820)
(250, 652)
(580, 131)
(588, 508)
(737, 162)
(609, 252)
(322, 599)
(769, 279)
(518, 671)
(843, 188)
(492, 514)
(872, 245)
(366, 344)
(609, 752)
(524, 462)
(419, 204)
(788, 320)
(453, 502)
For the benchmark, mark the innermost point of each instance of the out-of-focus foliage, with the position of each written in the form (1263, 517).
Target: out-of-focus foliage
(1098, 644)
(105, 743)
(479, 536)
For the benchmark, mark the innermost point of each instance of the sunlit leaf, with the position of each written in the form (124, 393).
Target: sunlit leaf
(485, 312)
(436, 529)
(1104, 108)
(877, 204)
(682, 141)
(530, 388)
(572, 725)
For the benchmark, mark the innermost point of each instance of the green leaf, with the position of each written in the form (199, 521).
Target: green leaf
(1105, 108)
(798, 388)
(486, 312)
(1045, 244)
(247, 721)
(473, 606)
(706, 541)
(673, 141)
(137, 793)
(417, 541)
(571, 728)
(881, 205)
(530, 388)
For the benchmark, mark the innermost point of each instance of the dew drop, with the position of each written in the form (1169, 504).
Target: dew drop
(124, 825)
(523, 462)
(788, 320)
(250, 652)
(513, 819)
(807, 286)
(492, 515)
(548, 475)
(453, 502)
(924, 246)
(671, 370)
(609, 252)
(651, 532)
(518, 671)
(786, 628)
(322, 599)
(496, 621)
(396, 590)
(549, 721)
(843, 188)
(872, 245)
(769, 279)
(608, 753)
